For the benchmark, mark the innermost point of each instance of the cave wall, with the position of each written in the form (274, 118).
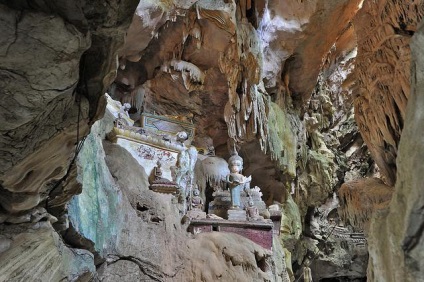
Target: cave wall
(56, 58)
(396, 238)
(384, 30)
(282, 83)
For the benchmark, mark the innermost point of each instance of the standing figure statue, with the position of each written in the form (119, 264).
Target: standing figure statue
(236, 182)
(307, 273)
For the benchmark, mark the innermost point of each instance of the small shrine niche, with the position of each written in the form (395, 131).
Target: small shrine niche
(234, 205)
(162, 146)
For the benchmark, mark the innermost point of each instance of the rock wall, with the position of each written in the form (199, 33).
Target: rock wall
(396, 237)
(384, 30)
(276, 81)
(56, 60)
(35, 252)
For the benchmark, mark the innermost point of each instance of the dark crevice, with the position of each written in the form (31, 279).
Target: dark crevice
(75, 240)
(261, 262)
(141, 207)
(156, 219)
(148, 268)
(19, 16)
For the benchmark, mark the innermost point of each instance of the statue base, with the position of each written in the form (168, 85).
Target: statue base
(222, 202)
(164, 188)
(259, 232)
(237, 215)
(196, 214)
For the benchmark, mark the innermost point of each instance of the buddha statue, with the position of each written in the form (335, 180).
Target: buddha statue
(252, 211)
(196, 201)
(161, 184)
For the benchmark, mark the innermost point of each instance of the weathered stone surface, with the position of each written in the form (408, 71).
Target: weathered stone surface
(396, 235)
(35, 252)
(37, 105)
(328, 21)
(250, 79)
(46, 88)
(231, 258)
(359, 199)
(384, 30)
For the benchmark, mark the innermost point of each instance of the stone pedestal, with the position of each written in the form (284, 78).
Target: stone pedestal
(196, 214)
(236, 215)
(275, 216)
(259, 232)
(222, 202)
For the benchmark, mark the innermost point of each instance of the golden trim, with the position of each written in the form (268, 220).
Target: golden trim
(141, 139)
(147, 143)
(187, 126)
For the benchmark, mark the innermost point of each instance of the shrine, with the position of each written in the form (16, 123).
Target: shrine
(162, 145)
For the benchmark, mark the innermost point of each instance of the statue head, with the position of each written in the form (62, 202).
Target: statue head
(196, 192)
(182, 136)
(235, 163)
(127, 106)
(251, 203)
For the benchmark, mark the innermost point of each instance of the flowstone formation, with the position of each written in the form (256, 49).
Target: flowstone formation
(383, 69)
(396, 238)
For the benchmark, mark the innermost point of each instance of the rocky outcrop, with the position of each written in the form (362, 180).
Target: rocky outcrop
(384, 30)
(359, 199)
(51, 90)
(35, 252)
(396, 234)
(55, 61)
(38, 139)
(326, 24)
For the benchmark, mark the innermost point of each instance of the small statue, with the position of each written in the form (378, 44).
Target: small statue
(196, 201)
(123, 117)
(210, 151)
(253, 212)
(181, 137)
(307, 273)
(123, 111)
(236, 181)
(160, 184)
(158, 171)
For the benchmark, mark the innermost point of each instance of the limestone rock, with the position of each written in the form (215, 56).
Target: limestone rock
(35, 252)
(130, 213)
(396, 238)
(50, 92)
(359, 199)
(383, 65)
(231, 257)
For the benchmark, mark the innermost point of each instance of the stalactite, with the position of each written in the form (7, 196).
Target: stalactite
(246, 113)
(359, 199)
(222, 17)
